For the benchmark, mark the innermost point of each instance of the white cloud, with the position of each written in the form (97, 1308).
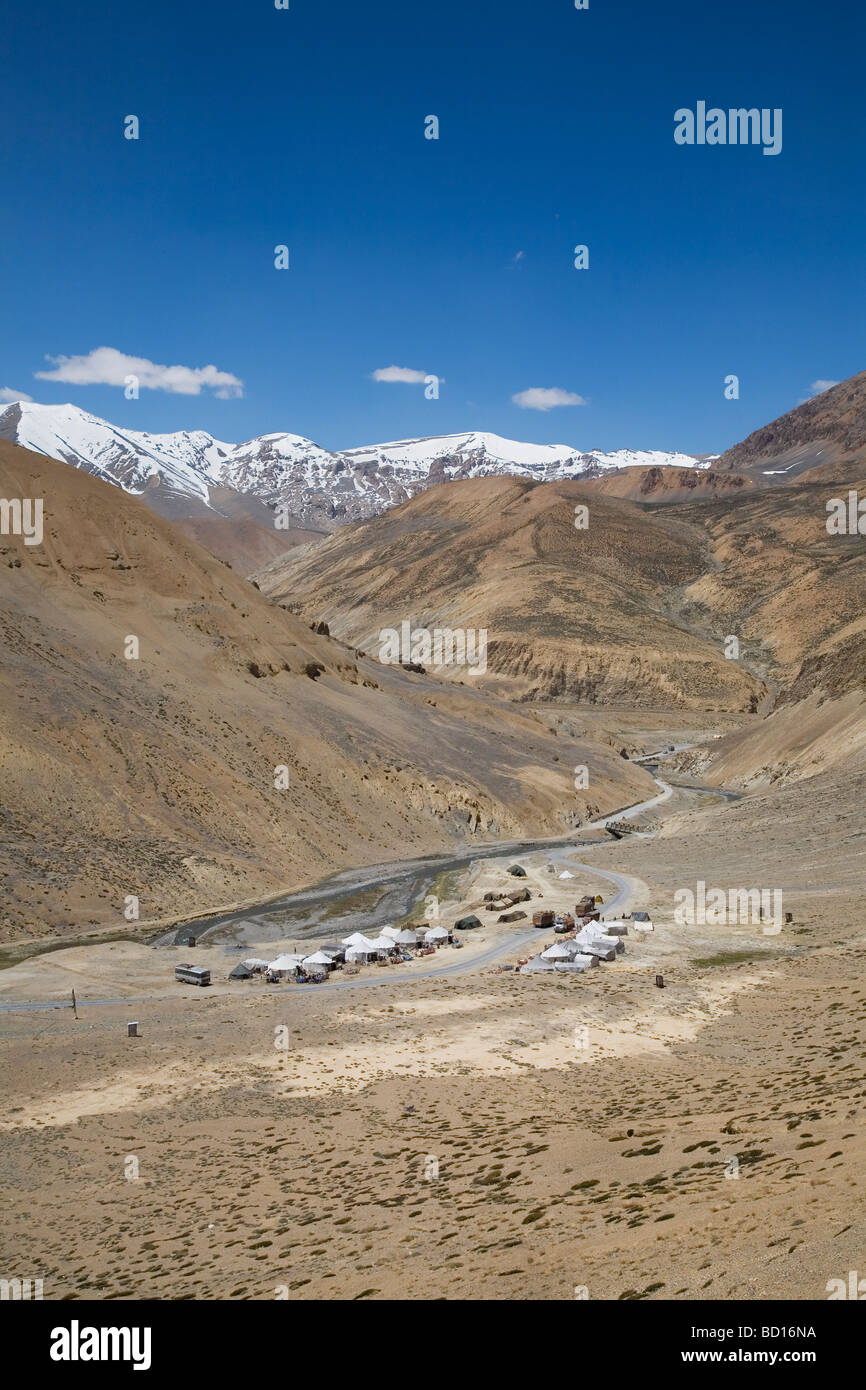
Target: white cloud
(545, 398)
(407, 374)
(818, 387)
(105, 366)
(8, 393)
(519, 257)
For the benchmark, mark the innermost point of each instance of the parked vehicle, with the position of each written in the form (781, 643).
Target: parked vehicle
(192, 974)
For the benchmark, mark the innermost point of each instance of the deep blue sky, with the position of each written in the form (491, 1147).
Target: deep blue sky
(306, 127)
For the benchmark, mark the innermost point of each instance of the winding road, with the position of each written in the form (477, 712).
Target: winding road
(626, 885)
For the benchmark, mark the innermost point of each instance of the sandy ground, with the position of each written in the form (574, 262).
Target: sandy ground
(468, 1135)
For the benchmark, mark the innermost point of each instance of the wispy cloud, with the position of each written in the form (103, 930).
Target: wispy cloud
(546, 398)
(817, 389)
(105, 366)
(406, 374)
(521, 255)
(8, 393)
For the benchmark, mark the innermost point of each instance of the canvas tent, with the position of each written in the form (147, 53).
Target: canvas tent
(284, 966)
(467, 923)
(406, 938)
(241, 972)
(436, 935)
(558, 951)
(256, 965)
(517, 871)
(318, 960)
(537, 966)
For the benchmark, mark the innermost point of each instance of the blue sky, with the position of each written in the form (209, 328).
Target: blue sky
(306, 128)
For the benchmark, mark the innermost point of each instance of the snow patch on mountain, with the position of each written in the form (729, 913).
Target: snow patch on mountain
(319, 488)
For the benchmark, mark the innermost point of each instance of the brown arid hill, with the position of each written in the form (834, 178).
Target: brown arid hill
(796, 596)
(245, 545)
(660, 486)
(155, 776)
(835, 418)
(586, 615)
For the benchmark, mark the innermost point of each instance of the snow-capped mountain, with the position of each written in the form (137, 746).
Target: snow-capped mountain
(191, 473)
(478, 454)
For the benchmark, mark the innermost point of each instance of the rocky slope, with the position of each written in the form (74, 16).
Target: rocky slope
(155, 776)
(571, 614)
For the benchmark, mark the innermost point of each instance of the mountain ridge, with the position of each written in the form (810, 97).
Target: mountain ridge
(180, 473)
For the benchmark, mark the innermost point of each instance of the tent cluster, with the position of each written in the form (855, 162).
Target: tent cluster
(593, 943)
(392, 944)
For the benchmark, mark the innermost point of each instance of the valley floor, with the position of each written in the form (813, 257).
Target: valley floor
(445, 1136)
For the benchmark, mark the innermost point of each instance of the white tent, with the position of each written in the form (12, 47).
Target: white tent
(588, 960)
(559, 951)
(358, 941)
(537, 966)
(406, 938)
(256, 965)
(384, 943)
(393, 932)
(360, 954)
(596, 948)
(284, 965)
(318, 958)
(436, 934)
(566, 874)
(615, 927)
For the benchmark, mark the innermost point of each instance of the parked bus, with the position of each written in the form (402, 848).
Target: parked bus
(192, 974)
